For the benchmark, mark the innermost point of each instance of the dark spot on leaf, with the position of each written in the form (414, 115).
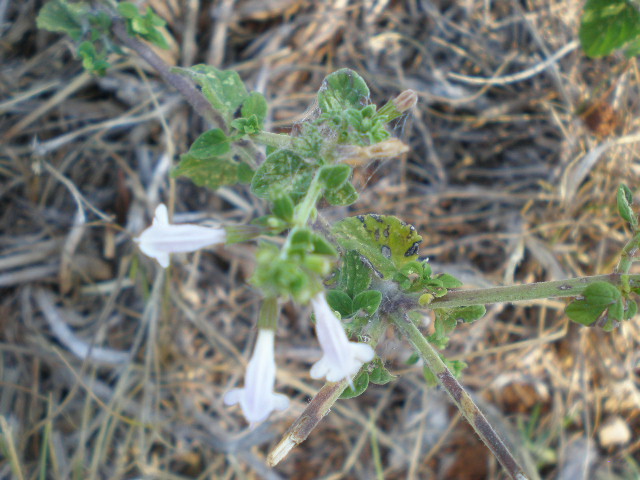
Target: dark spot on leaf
(413, 250)
(366, 261)
(386, 251)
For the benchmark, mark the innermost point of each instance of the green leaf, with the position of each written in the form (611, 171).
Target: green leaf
(245, 173)
(616, 311)
(343, 196)
(212, 143)
(607, 25)
(256, 105)
(63, 16)
(341, 90)
(223, 88)
(354, 277)
(91, 60)
(143, 25)
(625, 199)
(321, 246)
(369, 301)
(282, 172)
(429, 377)
(469, 314)
(380, 375)
(632, 309)
(211, 172)
(448, 281)
(247, 126)
(601, 293)
(413, 359)
(632, 49)
(581, 312)
(341, 302)
(360, 384)
(385, 242)
(128, 10)
(334, 176)
(283, 207)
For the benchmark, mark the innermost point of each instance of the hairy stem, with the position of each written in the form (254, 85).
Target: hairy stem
(571, 287)
(460, 397)
(626, 256)
(305, 207)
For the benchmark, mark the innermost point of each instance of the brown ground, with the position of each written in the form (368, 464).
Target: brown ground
(501, 181)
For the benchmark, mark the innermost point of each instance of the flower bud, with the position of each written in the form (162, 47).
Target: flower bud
(405, 101)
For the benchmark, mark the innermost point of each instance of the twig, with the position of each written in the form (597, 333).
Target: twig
(571, 287)
(460, 397)
(182, 84)
(530, 72)
(317, 408)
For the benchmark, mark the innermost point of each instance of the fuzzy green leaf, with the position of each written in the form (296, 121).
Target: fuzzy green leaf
(380, 375)
(448, 281)
(469, 314)
(341, 302)
(369, 301)
(632, 309)
(581, 312)
(212, 143)
(625, 199)
(353, 276)
(63, 16)
(341, 90)
(245, 173)
(616, 311)
(607, 25)
(334, 176)
(92, 61)
(282, 172)
(223, 88)
(601, 294)
(385, 242)
(211, 172)
(321, 246)
(360, 384)
(342, 196)
(256, 105)
(283, 207)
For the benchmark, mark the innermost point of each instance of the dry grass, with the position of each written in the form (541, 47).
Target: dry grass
(110, 370)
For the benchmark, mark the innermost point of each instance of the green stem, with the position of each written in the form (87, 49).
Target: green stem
(460, 397)
(305, 208)
(626, 256)
(572, 287)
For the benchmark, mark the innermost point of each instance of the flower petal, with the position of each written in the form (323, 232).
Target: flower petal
(341, 358)
(162, 238)
(257, 398)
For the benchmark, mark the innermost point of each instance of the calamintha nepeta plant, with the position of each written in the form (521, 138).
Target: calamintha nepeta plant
(361, 274)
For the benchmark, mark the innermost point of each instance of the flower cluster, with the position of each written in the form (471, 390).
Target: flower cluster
(341, 358)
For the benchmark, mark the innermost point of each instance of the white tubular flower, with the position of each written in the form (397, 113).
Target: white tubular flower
(341, 358)
(257, 398)
(162, 238)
